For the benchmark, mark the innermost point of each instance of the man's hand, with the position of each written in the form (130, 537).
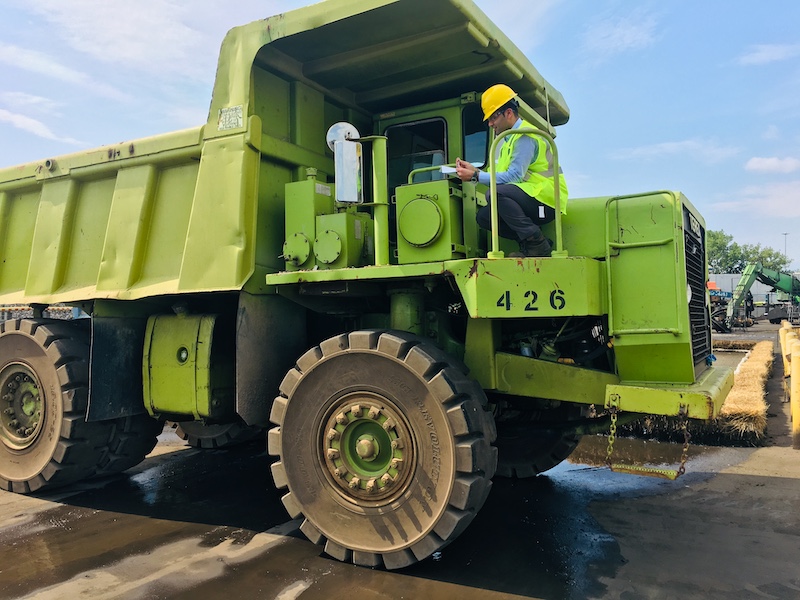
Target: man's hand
(465, 171)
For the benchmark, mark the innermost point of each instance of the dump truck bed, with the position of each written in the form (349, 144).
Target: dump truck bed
(195, 210)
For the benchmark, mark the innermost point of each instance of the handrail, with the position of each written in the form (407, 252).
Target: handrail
(425, 170)
(496, 252)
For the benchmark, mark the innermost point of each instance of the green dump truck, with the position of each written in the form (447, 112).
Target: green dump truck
(301, 264)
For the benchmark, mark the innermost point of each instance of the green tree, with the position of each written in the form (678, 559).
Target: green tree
(726, 256)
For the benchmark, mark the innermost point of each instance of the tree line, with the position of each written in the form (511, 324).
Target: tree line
(726, 256)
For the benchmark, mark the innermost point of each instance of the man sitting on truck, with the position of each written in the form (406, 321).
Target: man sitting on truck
(525, 181)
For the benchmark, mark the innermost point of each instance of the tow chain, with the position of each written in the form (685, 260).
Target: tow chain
(670, 474)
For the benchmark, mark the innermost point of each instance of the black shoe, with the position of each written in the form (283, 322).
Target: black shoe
(532, 247)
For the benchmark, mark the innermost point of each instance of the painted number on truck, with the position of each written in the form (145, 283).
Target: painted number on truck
(558, 300)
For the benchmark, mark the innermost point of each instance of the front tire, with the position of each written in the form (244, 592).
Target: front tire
(384, 446)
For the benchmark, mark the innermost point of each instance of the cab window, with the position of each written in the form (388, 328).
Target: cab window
(476, 135)
(413, 146)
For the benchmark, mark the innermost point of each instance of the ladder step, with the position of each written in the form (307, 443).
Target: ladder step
(671, 474)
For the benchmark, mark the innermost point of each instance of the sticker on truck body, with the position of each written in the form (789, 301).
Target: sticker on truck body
(231, 117)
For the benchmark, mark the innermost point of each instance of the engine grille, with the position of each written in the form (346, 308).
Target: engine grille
(699, 319)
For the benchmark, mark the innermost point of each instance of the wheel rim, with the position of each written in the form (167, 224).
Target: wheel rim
(368, 450)
(22, 407)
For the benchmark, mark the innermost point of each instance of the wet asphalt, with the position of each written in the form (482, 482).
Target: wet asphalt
(190, 523)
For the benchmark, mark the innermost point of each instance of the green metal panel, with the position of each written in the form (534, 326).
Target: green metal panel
(220, 242)
(523, 376)
(527, 288)
(52, 236)
(649, 314)
(703, 399)
(132, 202)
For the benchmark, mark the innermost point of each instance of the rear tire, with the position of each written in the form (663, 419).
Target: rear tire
(130, 440)
(45, 440)
(201, 435)
(384, 445)
(526, 450)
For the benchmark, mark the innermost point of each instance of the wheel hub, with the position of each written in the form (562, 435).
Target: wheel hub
(367, 448)
(21, 415)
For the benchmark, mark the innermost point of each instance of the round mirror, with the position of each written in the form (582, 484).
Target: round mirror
(340, 132)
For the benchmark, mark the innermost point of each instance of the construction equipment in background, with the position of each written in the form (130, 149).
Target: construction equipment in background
(302, 262)
(752, 272)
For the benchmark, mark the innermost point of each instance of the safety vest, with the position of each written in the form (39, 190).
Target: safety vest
(539, 181)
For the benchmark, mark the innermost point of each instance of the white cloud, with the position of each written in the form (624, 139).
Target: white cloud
(780, 200)
(17, 100)
(773, 165)
(42, 64)
(33, 126)
(615, 35)
(762, 54)
(143, 35)
(706, 151)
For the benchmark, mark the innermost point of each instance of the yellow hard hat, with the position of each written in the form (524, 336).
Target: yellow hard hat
(495, 97)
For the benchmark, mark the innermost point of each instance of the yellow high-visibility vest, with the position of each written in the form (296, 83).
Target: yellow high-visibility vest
(539, 180)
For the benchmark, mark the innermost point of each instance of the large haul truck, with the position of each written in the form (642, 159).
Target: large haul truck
(302, 264)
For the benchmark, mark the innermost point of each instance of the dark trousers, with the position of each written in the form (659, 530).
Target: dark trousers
(519, 214)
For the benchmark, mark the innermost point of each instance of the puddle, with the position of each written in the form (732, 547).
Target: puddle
(593, 449)
(730, 358)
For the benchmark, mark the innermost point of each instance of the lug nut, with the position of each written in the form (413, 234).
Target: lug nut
(356, 410)
(28, 431)
(333, 453)
(397, 444)
(397, 463)
(341, 419)
(13, 424)
(387, 479)
(341, 473)
(21, 431)
(354, 483)
(9, 411)
(388, 425)
(371, 485)
(333, 435)
(374, 413)
(12, 385)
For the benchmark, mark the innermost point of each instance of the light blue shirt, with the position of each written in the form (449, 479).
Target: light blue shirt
(524, 153)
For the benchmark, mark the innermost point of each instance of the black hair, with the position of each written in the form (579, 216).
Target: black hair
(512, 104)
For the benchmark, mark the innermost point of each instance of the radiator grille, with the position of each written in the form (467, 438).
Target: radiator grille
(699, 319)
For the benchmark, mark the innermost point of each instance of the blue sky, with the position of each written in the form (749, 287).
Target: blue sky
(701, 97)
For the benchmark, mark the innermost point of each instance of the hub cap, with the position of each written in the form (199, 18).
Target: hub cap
(21, 406)
(367, 448)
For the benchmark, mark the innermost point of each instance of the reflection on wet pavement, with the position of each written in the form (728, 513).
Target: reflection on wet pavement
(210, 522)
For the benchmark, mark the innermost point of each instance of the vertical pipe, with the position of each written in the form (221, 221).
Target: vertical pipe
(380, 196)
